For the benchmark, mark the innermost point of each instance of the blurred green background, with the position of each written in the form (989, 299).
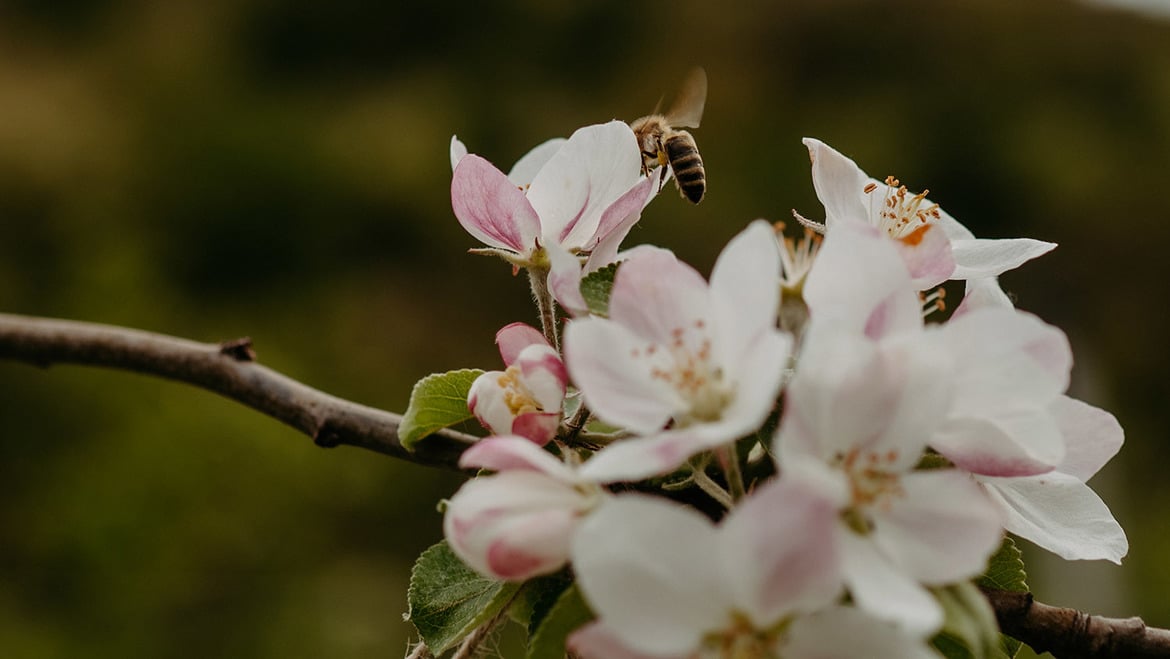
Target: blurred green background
(215, 168)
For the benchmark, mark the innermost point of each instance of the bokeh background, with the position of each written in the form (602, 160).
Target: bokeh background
(219, 168)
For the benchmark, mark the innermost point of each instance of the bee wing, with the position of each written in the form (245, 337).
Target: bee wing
(687, 108)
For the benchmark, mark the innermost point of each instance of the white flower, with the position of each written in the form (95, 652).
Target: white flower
(519, 522)
(934, 246)
(526, 398)
(666, 582)
(564, 198)
(687, 365)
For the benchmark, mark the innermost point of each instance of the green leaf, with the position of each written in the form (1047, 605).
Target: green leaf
(1005, 571)
(537, 597)
(596, 287)
(969, 628)
(437, 401)
(448, 600)
(566, 616)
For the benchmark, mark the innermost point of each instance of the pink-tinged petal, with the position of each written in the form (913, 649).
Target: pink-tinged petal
(745, 293)
(1007, 360)
(779, 550)
(982, 294)
(491, 208)
(979, 258)
(531, 545)
(1016, 444)
(1092, 436)
(884, 591)
(489, 523)
(564, 280)
(620, 216)
(839, 183)
(538, 427)
(638, 458)
(510, 453)
(458, 150)
(645, 567)
(544, 374)
(758, 375)
(487, 400)
(861, 284)
(596, 166)
(596, 641)
(927, 254)
(530, 163)
(1061, 514)
(655, 294)
(841, 632)
(942, 529)
(604, 361)
(515, 337)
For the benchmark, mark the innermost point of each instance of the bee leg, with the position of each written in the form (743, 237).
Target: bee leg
(662, 178)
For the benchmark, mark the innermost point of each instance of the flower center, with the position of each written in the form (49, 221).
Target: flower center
(796, 257)
(517, 396)
(740, 641)
(685, 363)
(873, 485)
(901, 215)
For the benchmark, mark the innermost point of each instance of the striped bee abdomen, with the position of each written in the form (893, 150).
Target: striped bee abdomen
(687, 165)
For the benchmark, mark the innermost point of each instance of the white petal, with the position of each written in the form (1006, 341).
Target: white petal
(654, 294)
(1092, 436)
(779, 550)
(982, 293)
(745, 290)
(1061, 514)
(839, 183)
(486, 400)
(596, 641)
(637, 458)
(928, 256)
(757, 378)
(990, 258)
(490, 208)
(647, 568)
(845, 632)
(530, 163)
(884, 591)
(458, 150)
(943, 529)
(860, 282)
(596, 166)
(544, 375)
(564, 279)
(1008, 444)
(508, 452)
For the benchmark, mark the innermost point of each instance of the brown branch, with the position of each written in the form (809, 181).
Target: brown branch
(228, 369)
(1070, 634)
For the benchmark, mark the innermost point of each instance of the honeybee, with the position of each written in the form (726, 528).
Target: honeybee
(662, 144)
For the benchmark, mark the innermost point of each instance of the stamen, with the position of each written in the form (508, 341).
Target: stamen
(934, 301)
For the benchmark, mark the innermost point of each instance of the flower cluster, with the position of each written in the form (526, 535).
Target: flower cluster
(857, 458)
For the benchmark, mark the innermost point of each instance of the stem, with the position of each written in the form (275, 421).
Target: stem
(471, 644)
(538, 280)
(575, 425)
(712, 488)
(421, 651)
(731, 469)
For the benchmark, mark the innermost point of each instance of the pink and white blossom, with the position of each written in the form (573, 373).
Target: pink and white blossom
(686, 365)
(562, 201)
(934, 246)
(1002, 368)
(526, 398)
(859, 413)
(517, 523)
(667, 583)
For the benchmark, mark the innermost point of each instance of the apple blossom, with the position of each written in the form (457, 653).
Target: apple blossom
(686, 365)
(860, 412)
(1002, 367)
(517, 523)
(934, 246)
(526, 398)
(667, 583)
(561, 200)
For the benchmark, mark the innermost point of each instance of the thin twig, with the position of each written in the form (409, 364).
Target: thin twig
(228, 369)
(421, 651)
